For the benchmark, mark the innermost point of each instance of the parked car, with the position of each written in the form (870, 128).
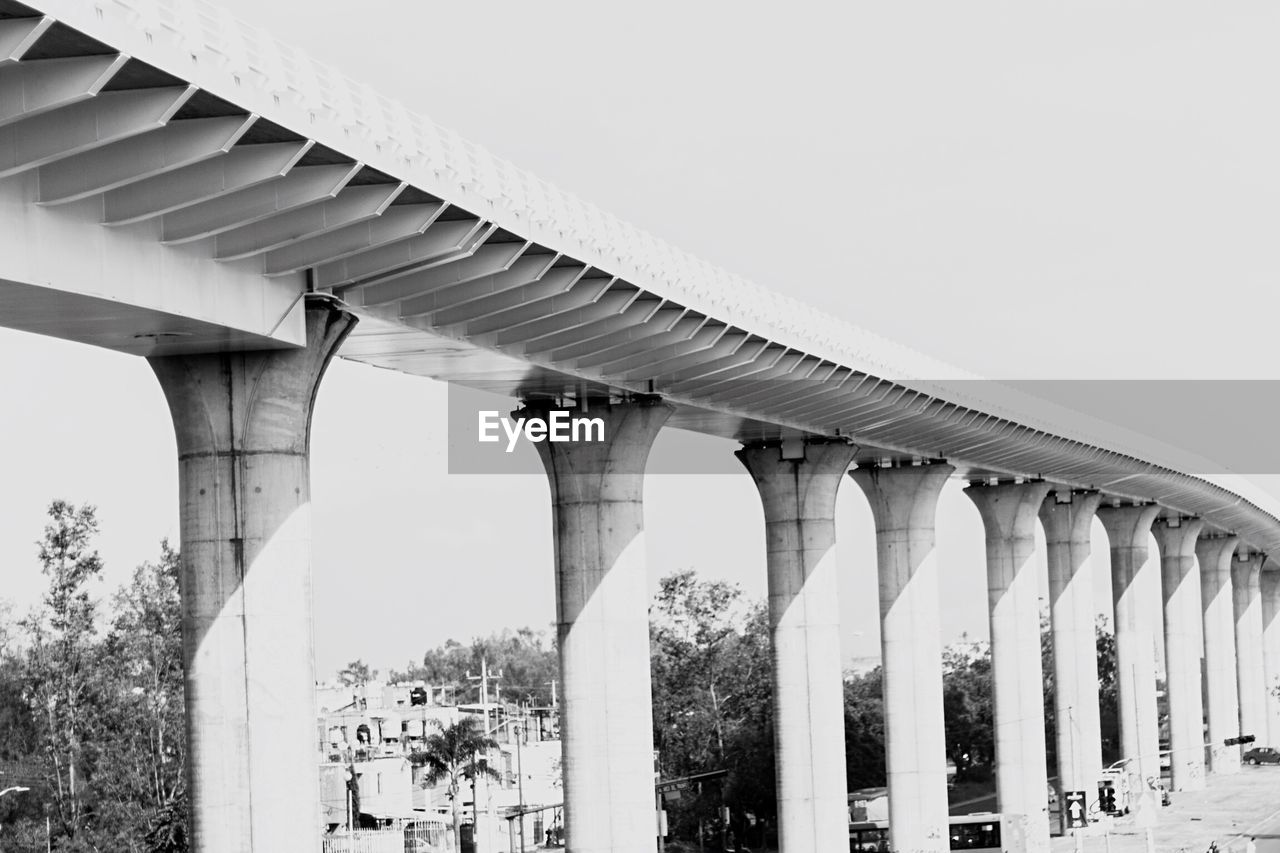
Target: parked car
(1262, 755)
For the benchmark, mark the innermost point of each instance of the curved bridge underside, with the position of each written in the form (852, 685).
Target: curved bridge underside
(177, 181)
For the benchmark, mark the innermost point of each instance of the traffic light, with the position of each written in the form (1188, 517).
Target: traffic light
(1107, 797)
(1237, 741)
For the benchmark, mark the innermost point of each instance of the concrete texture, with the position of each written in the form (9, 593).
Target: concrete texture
(1222, 698)
(1009, 513)
(243, 427)
(1128, 528)
(1183, 649)
(1067, 517)
(798, 485)
(904, 502)
(603, 624)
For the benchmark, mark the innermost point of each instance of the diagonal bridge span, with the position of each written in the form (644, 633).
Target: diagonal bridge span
(174, 181)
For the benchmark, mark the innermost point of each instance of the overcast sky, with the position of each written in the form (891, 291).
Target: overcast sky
(1024, 190)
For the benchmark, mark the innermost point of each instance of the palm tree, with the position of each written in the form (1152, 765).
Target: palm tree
(452, 755)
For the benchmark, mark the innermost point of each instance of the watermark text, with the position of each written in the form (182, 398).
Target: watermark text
(557, 426)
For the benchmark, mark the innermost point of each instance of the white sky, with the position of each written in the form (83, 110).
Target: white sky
(1025, 190)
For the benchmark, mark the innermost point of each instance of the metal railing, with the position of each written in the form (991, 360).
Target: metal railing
(414, 839)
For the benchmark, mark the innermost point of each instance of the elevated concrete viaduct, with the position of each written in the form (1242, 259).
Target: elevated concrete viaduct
(177, 185)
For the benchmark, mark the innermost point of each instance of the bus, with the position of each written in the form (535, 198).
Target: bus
(979, 833)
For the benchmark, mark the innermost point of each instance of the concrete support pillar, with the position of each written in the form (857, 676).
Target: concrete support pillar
(904, 502)
(1270, 587)
(602, 621)
(1009, 514)
(1183, 649)
(1222, 699)
(1067, 517)
(1246, 599)
(798, 483)
(1128, 528)
(243, 422)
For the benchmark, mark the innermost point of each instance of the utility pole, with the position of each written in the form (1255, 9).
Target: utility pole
(519, 731)
(554, 703)
(484, 678)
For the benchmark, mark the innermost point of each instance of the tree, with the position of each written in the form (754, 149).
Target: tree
(712, 695)
(1108, 696)
(527, 659)
(92, 720)
(864, 730)
(356, 674)
(452, 755)
(967, 707)
(61, 680)
(143, 756)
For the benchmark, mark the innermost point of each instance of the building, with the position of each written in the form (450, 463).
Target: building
(369, 733)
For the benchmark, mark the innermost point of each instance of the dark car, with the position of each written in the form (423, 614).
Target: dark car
(1261, 755)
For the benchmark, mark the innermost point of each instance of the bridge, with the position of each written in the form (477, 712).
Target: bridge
(181, 187)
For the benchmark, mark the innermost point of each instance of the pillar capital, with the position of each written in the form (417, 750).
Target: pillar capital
(259, 400)
(1128, 524)
(607, 467)
(1214, 551)
(1067, 514)
(903, 497)
(798, 479)
(1177, 537)
(1009, 510)
(1269, 577)
(1246, 565)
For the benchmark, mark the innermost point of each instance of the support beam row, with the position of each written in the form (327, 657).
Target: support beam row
(242, 422)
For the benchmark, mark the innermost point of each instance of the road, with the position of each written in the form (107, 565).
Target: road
(1230, 810)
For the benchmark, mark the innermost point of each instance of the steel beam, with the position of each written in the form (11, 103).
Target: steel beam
(84, 126)
(242, 167)
(419, 252)
(17, 35)
(28, 89)
(177, 144)
(398, 223)
(300, 187)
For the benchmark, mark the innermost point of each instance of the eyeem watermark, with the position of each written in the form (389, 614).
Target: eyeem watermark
(557, 426)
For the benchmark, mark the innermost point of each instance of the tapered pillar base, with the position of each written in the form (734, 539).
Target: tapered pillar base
(602, 618)
(1009, 515)
(904, 502)
(243, 422)
(798, 484)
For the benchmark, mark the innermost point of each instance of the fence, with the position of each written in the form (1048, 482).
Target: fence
(428, 838)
